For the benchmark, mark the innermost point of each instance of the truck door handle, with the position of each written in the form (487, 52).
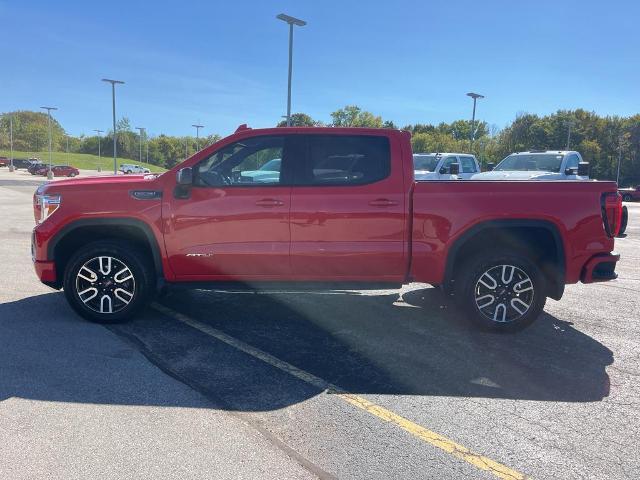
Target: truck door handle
(269, 202)
(382, 202)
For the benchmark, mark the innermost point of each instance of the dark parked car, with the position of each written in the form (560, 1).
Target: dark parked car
(33, 168)
(58, 170)
(630, 194)
(21, 163)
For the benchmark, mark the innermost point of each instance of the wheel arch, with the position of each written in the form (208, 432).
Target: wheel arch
(79, 232)
(514, 233)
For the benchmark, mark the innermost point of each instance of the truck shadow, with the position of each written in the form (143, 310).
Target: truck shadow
(368, 344)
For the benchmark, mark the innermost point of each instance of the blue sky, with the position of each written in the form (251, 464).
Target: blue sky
(225, 63)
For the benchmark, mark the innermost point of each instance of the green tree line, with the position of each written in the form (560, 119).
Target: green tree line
(600, 139)
(30, 134)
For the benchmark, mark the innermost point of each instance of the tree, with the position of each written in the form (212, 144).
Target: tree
(301, 120)
(31, 131)
(354, 116)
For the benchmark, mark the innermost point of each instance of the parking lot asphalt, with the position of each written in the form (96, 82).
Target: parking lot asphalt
(351, 384)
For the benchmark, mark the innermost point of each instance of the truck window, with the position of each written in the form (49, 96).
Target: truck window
(446, 164)
(572, 161)
(345, 160)
(467, 164)
(427, 163)
(241, 164)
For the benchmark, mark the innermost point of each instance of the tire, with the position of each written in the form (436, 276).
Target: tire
(626, 197)
(521, 306)
(89, 277)
(624, 219)
(129, 172)
(72, 174)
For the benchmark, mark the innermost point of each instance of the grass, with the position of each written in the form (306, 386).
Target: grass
(80, 160)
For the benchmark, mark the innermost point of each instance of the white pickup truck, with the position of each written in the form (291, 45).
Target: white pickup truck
(539, 165)
(132, 168)
(437, 166)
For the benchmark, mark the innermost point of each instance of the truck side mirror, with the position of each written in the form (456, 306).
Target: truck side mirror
(454, 169)
(185, 176)
(184, 180)
(490, 166)
(583, 169)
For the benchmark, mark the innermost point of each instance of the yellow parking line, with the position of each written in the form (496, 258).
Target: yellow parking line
(435, 439)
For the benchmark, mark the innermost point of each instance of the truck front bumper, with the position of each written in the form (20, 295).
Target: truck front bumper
(45, 269)
(600, 268)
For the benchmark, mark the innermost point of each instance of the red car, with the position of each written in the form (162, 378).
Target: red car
(343, 210)
(58, 170)
(630, 194)
(4, 162)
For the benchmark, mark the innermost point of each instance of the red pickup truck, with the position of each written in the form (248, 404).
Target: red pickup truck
(338, 208)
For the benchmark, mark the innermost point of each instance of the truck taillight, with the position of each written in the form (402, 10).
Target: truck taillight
(44, 206)
(611, 212)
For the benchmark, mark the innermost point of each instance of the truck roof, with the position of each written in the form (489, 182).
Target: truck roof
(446, 153)
(328, 130)
(545, 152)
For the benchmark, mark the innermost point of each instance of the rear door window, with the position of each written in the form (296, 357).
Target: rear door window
(345, 160)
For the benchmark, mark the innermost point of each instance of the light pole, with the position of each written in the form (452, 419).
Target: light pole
(48, 109)
(113, 104)
(301, 23)
(198, 127)
(619, 159)
(99, 132)
(141, 129)
(472, 134)
(11, 143)
(569, 124)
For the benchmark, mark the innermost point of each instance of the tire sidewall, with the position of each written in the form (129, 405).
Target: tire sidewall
(624, 220)
(473, 269)
(127, 254)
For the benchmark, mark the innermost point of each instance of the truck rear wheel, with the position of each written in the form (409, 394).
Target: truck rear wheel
(108, 281)
(501, 292)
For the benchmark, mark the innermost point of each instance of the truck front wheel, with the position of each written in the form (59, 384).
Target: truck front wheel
(108, 281)
(500, 291)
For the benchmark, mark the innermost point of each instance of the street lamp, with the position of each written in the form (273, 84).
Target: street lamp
(48, 109)
(141, 129)
(11, 143)
(198, 127)
(99, 132)
(568, 124)
(472, 134)
(620, 138)
(113, 104)
(301, 23)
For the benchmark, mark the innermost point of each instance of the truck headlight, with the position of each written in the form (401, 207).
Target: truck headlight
(45, 205)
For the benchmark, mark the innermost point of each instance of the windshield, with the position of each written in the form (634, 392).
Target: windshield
(272, 165)
(425, 162)
(539, 162)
